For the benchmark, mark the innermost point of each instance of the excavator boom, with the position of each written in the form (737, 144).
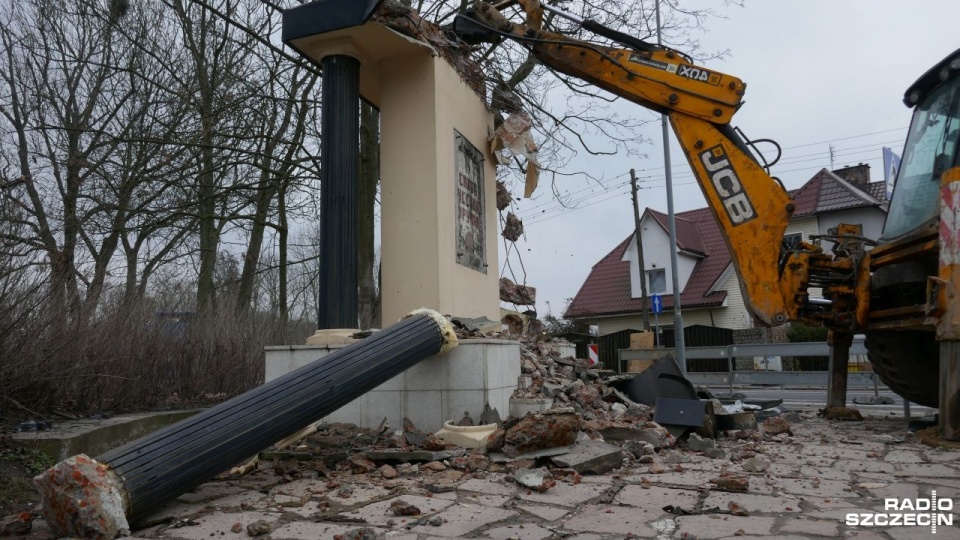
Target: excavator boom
(700, 103)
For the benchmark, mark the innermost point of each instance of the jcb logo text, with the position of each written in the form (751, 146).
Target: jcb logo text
(727, 184)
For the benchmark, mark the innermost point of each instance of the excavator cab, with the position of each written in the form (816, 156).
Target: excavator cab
(931, 148)
(906, 309)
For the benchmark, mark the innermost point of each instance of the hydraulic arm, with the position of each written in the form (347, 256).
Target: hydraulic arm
(752, 208)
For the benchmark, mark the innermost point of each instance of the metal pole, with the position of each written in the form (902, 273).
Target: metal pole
(681, 354)
(950, 390)
(839, 342)
(339, 192)
(88, 498)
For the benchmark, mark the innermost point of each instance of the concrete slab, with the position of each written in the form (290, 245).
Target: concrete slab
(493, 485)
(94, 437)
(809, 527)
(610, 520)
(929, 470)
(528, 531)
(717, 526)
(460, 520)
(903, 456)
(564, 494)
(913, 533)
(651, 501)
(379, 513)
(546, 513)
(821, 488)
(864, 465)
(754, 503)
(826, 473)
(484, 500)
(219, 525)
(305, 530)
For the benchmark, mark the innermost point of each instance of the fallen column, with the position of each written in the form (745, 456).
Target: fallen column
(98, 498)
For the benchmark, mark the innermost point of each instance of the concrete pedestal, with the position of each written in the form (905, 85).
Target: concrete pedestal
(477, 372)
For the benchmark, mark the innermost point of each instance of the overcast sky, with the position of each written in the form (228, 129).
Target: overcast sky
(818, 73)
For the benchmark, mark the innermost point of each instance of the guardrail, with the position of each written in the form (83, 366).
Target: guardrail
(754, 377)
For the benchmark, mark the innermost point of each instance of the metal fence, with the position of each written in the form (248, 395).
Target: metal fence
(765, 361)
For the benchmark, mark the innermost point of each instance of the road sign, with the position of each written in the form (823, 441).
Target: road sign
(594, 354)
(656, 303)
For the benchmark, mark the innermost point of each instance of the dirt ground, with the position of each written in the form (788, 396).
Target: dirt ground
(17, 466)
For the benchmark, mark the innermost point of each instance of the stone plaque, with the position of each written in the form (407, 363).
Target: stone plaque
(471, 225)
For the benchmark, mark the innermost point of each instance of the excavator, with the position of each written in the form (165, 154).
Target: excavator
(900, 290)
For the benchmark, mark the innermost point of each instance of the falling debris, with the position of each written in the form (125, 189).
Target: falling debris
(515, 137)
(513, 229)
(521, 295)
(503, 196)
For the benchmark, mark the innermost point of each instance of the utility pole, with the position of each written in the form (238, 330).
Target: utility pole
(640, 263)
(681, 353)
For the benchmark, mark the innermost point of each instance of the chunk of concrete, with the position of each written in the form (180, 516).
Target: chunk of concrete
(590, 456)
(558, 427)
(82, 498)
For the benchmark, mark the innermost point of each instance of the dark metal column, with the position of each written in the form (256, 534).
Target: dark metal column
(136, 478)
(840, 342)
(340, 192)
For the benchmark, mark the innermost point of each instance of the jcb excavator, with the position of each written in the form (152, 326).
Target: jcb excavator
(902, 293)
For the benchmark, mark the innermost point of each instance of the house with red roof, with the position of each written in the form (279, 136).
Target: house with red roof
(709, 285)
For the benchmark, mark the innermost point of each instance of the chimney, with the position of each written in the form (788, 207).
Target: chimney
(858, 175)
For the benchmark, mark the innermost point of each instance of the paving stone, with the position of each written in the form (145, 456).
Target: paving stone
(611, 520)
(462, 519)
(930, 470)
(865, 535)
(564, 494)
(825, 473)
(827, 503)
(717, 526)
(903, 456)
(777, 537)
(219, 524)
(913, 533)
(546, 513)
(379, 513)
(896, 490)
(651, 501)
(243, 499)
(941, 456)
(809, 527)
(491, 485)
(685, 478)
(823, 488)
(864, 465)
(783, 469)
(595, 457)
(300, 486)
(306, 530)
(752, 502)
(593, 479)
(207, 492)
(485, 500)
(361, 494)
(527, 531)
(835, 452)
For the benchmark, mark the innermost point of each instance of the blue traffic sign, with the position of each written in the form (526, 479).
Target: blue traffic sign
(657, 303)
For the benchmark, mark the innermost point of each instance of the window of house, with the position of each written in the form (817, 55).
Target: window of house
(657, 281)
(792, 240)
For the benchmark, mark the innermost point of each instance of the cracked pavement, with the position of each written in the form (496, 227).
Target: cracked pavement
(824, 471)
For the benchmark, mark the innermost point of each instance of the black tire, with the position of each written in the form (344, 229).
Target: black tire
(908, 362)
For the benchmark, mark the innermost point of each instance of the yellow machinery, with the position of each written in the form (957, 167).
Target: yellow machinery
(902, 293)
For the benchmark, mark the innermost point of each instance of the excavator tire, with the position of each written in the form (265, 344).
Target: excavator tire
(908, 362)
